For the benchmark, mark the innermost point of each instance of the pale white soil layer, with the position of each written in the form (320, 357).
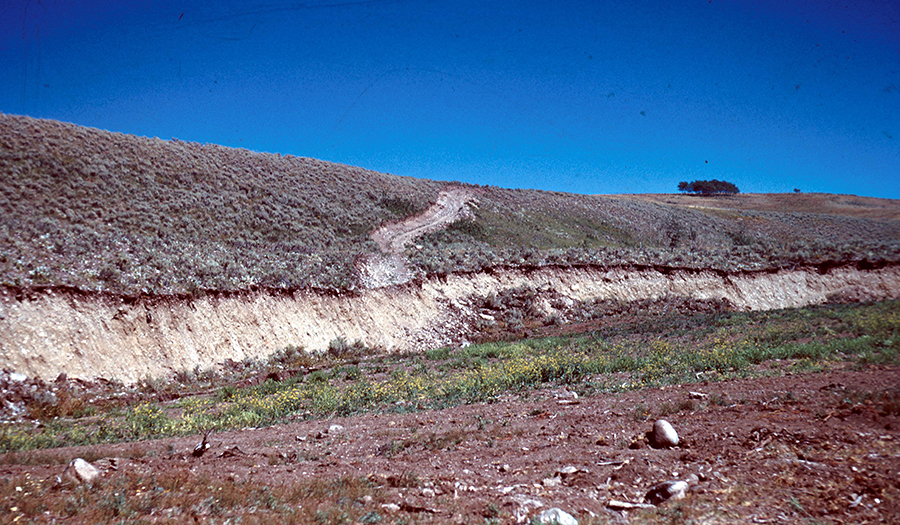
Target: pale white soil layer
(45, 333)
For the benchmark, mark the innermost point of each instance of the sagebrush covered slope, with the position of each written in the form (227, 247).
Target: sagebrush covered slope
(104, 211)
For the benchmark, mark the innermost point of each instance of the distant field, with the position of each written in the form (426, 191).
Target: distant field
(824, 203)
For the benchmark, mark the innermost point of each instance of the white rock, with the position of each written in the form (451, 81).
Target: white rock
(81, 471)
(556, 516)
(335, 429)
(627, 505)
(663, 435)
(568, 471)
(555, 481)
(666, 490)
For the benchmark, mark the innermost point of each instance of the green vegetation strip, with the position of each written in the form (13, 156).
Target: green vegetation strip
(652, 351)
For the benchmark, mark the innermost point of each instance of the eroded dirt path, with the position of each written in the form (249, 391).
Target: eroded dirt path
(389, 268)
(449, 208)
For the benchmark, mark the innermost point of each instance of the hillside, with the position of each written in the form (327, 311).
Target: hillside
(106, 212)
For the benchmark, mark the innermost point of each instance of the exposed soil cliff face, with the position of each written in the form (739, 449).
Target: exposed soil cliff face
(45, 333)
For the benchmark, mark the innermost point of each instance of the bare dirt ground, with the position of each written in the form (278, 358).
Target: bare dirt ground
(818, 447)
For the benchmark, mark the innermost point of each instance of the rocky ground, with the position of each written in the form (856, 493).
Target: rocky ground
(819, 447)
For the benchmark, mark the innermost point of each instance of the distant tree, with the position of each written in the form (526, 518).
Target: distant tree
(708, 187)
(796, 190)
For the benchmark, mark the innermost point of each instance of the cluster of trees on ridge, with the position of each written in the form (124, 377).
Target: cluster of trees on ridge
(708, 187)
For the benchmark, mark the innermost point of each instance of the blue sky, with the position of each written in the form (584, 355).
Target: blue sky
(585, 97)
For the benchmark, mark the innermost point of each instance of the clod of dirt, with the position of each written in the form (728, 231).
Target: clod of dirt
(663, 435)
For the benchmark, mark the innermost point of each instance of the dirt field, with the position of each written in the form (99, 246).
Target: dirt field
(812, 448)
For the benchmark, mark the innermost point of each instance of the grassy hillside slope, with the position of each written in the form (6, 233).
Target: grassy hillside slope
(104, 211)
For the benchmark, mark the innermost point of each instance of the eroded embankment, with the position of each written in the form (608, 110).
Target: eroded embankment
(45, 333)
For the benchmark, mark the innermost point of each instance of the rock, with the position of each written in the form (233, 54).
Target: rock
(663, 435)
(81, 471)
(568, 471)
(203, 446)
(551, 482)
(556, 516)
(698, 395)
(106, 465)
(524, 506)
(335, 429)
(391, 507)
(666, 490)
(626, 505)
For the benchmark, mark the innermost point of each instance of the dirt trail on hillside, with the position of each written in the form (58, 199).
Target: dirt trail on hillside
(45, 333)
(389, 267)
(449, 208)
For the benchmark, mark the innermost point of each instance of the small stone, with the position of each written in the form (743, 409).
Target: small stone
(627, 505)
(335, 429)
(663, 435)
(666, 490)
(81, 471)
(551, 482)
(568, 471)
(391, 507)
(556, 516)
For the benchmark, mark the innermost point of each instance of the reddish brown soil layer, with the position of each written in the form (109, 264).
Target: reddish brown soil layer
(817, 447)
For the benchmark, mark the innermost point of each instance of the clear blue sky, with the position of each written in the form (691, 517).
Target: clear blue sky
(580, 96)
